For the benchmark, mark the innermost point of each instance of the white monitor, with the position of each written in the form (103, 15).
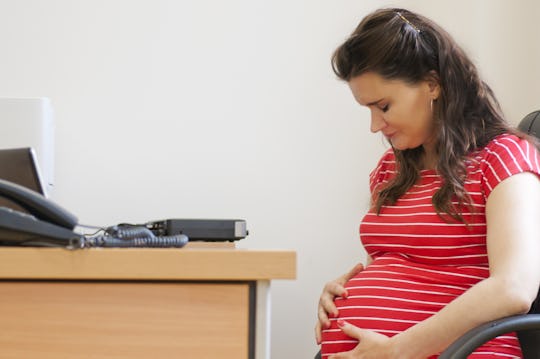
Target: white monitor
(29, 122)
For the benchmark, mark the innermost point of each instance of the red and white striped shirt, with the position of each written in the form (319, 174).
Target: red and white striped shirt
(420, 262)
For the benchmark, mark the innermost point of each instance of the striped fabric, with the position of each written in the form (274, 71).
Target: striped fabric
(420, 262)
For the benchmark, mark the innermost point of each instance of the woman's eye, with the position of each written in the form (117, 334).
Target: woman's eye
(384, 108)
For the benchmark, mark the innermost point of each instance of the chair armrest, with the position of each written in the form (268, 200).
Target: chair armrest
(471, 340)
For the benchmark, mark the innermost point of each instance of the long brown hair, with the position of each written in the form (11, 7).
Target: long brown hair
(398, 44)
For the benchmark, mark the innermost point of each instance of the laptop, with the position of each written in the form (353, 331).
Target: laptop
(20, 166)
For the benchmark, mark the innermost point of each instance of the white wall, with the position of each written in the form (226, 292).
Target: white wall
(229, 109)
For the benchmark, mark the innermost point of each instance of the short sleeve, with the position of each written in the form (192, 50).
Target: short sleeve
(386, 169)
(506, 156)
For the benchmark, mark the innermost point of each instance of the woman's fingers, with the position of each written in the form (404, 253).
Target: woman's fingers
(323, 321)
(353, 272)
(330, 292)
(335, 289)
(318, 333)
(350, 330)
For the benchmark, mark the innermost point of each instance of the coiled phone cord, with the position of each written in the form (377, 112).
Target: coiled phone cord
(129, 236)
(176, 241)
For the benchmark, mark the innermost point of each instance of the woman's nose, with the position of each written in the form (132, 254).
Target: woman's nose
(377, 122)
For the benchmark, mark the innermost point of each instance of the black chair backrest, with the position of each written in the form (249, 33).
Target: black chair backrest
(535, 308)
(531, 124)
(530, 339)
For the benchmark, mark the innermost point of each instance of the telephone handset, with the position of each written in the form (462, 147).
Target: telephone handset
(47, 224)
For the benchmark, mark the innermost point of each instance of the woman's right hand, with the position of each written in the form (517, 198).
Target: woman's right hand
(331, 290)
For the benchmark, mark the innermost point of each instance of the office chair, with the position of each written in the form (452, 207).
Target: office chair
(527, 325)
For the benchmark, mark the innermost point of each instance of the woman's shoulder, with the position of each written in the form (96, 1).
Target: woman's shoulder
(386, 162)
(506, 139)
(385, 169)
(505, 156)
(509, 147)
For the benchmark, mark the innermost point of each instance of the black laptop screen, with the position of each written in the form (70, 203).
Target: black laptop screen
(18, 165)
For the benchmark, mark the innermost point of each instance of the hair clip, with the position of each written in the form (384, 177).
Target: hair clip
(407, 21)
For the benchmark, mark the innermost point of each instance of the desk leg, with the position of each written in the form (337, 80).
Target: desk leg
(262, 320)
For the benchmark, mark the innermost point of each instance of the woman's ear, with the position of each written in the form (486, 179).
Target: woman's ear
(434, 85)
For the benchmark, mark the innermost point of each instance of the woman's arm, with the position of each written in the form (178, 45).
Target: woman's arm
(513, 241)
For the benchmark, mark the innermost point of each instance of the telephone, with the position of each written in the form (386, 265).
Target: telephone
(45, 224)
(48, 225)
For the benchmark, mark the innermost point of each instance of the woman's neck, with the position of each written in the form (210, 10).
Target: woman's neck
(430, 158)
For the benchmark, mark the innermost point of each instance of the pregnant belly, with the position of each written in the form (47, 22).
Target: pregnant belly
(390, 296)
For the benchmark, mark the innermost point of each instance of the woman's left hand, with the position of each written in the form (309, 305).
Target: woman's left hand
(370, 344)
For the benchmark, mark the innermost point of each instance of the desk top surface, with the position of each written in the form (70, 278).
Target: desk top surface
(146, 264)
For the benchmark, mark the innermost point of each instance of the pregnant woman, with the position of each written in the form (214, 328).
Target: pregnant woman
(452, 235)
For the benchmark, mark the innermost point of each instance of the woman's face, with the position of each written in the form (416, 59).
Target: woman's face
(401, 111)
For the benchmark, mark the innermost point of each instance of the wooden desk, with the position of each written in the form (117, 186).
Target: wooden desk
(138, 303)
